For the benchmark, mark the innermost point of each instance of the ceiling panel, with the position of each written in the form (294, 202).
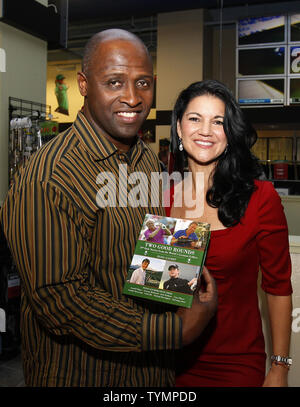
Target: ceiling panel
(87, 17)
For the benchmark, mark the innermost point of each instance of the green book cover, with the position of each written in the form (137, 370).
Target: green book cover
(168, 260)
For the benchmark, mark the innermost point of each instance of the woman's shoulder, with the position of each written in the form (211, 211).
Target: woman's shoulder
(265, 206)
(265, 194)
(259, 183)
(265, 188)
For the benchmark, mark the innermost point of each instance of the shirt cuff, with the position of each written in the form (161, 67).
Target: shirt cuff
(161, 331)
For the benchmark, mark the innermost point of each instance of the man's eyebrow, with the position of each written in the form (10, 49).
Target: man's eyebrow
(121, 73)
(116, 73)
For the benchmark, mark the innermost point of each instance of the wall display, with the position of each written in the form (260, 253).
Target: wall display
(295, 28)
(261, 61)
(295, 59)
(261, 30)
(261, 91)
(268, 47)
(294, 90)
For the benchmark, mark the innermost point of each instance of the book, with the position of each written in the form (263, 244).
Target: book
(168, 260)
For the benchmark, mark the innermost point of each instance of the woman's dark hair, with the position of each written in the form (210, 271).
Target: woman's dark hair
(236, 169)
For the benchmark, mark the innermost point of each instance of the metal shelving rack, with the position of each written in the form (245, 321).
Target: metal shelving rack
(24, 131)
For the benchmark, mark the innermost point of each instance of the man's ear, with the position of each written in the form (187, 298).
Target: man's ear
(82, 83)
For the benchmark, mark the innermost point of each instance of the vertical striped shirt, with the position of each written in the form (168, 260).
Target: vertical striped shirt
(73, 252)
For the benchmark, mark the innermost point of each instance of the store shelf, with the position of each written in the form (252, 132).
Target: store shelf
(29, 129)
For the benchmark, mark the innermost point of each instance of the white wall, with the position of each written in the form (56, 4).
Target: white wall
(291, 204)
(294, 374)
(179, 59)
(25, 78)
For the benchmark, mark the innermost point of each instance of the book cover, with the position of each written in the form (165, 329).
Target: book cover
(168, 260)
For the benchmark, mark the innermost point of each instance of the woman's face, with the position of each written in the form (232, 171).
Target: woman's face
(201, 129)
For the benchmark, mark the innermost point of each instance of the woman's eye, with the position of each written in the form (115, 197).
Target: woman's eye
(219, 122)
(194, 119)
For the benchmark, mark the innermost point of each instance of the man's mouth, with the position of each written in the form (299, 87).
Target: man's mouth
(128, 117)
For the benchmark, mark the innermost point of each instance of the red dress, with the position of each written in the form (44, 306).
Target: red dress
(231, 351)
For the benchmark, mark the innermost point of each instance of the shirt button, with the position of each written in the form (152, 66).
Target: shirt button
(123, 158)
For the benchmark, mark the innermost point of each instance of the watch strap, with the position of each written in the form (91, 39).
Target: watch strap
(282, 359)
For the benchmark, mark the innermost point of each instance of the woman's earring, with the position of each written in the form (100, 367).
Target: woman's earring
(226, 149)
(180, 147)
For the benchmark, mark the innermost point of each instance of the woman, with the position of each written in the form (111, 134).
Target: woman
(249, 232)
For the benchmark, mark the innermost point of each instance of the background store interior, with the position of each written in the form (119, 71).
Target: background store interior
(41, 47)
(188, 41)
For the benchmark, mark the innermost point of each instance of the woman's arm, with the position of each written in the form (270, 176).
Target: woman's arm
(275, 264)
(280, 310)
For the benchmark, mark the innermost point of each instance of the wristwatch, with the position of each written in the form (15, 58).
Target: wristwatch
(281, 359)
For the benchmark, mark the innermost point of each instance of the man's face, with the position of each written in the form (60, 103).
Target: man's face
(173, 273)
(118, 90)
(151, 226)
(144, 265)
(192, 228)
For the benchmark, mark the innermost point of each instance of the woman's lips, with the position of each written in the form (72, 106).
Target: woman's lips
(205, 144)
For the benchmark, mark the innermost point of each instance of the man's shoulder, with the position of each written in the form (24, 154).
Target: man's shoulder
(45, 161)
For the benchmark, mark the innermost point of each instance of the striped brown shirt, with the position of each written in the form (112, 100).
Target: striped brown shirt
(73, 256)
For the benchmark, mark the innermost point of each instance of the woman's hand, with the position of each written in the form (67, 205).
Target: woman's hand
(277, 377)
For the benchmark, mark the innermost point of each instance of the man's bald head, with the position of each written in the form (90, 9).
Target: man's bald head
(117, 84)
(107, 35)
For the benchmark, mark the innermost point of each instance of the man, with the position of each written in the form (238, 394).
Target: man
(139, 275)
(175, 283)
(73, 252)
(186, 237)
(156, 234)
(163, 156)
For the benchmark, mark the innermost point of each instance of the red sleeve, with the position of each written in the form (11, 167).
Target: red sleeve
(273, 242)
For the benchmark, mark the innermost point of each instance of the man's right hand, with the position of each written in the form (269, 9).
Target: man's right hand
(204, 306)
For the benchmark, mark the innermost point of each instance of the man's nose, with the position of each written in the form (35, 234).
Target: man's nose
(130, 95)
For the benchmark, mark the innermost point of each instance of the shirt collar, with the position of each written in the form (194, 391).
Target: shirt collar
(97, 144)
